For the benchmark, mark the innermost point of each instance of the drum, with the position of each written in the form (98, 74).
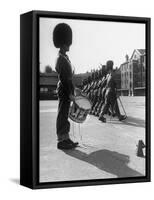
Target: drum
(79, 109)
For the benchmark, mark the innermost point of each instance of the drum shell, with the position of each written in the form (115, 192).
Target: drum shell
(78, 114)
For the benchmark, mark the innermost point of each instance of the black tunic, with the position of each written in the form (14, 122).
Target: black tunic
(65, 85)
(64, 88)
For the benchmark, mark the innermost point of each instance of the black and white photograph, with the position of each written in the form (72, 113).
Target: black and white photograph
(92, 99)
(76, 100)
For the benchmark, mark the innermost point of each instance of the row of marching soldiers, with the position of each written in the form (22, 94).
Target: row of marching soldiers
(100, 88)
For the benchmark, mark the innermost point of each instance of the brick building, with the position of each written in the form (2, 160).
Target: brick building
(133, 74)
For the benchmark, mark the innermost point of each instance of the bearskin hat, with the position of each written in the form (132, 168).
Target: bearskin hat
(100, 73)
(62, 35)
(93, 76)
(109, 65)
(85, 81)
(89, 79)
(103, 70)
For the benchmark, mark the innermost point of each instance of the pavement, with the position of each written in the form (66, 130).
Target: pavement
(107, 150)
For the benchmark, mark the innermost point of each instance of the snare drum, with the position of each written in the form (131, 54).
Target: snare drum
(79, 109)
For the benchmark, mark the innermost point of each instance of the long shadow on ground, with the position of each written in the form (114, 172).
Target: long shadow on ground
(109, 161)
(132, 121)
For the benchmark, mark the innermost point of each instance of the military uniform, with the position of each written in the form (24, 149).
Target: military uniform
(101, 96)
(110, 98)
(65, 88)
(98, 96)
(85, 86)
(89, 92)
(93, 94)
(62, 39)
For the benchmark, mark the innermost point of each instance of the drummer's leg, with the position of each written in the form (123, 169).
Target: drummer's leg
(63, 126)
(62, 123)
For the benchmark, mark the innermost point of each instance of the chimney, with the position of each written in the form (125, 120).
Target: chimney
(127, 58)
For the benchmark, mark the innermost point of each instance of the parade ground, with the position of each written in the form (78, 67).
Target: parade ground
(107, 150)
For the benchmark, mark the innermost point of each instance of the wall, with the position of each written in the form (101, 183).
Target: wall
(9, 101)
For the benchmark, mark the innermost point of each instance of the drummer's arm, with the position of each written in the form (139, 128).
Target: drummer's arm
(66, 77)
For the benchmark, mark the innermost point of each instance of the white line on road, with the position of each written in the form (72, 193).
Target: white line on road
(48, 110)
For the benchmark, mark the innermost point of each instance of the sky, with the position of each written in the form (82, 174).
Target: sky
(94, 42)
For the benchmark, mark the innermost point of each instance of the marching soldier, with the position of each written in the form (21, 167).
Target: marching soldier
(95, 92)
(110, 95)
(89, 89)
(85, 85)
(101, 91)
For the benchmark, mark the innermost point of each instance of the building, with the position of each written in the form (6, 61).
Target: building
(117, 78)
(138, 60)
(133, 74)
(48, 84)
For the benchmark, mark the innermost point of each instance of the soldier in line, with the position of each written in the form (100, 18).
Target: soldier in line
(100, 93)
(102, 96)
(90, 85)
(89, 89)
(95, 91)
(84, 85)
(94, 88)
(110, 95)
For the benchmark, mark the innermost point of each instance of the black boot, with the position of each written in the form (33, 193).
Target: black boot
(102, 119)
(122, 117)
(96, 114)
(67, 144)
(73, 143)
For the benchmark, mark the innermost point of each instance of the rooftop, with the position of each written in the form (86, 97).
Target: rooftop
(141, 51)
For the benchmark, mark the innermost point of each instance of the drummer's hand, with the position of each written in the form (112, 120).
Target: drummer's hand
(72, 98)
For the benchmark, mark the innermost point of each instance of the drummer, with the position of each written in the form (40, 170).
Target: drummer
(62, 38)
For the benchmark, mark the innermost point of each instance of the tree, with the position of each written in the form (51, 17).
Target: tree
(48, 69)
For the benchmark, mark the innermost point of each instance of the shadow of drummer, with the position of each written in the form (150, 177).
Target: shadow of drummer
(109, 161)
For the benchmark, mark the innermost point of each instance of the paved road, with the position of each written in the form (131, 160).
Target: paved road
(107, 150)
